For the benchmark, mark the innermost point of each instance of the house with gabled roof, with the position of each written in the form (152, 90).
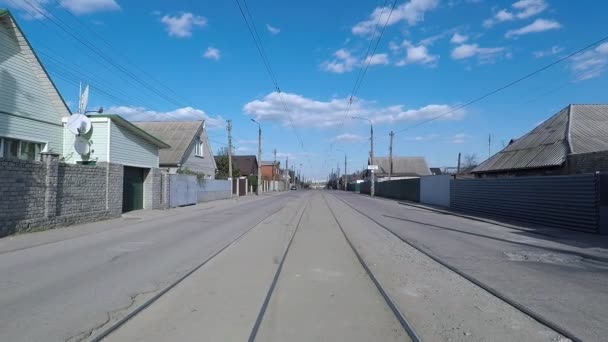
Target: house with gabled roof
(401, 167)
(574, 140)
(190, 149)
(31, 108)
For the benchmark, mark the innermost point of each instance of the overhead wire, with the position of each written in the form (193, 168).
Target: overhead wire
(508, 85)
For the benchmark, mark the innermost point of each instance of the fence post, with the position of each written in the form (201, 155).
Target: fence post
(602, 194)
(51, 163)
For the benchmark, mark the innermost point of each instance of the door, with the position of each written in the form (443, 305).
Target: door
(133, 189)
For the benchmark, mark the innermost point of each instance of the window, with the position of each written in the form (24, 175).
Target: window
(198, 149)
(19, 149)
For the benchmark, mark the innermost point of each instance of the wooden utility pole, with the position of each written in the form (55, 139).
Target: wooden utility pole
(390, 156)
(371, 152)
(458, 168)
(259, 160)
(489, 145)
(229, 127)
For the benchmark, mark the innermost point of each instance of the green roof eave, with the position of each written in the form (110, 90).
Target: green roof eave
(128, 125)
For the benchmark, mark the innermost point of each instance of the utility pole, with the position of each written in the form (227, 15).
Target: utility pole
(489, 145)
(274, 165)
(458, 168)
(345, 174)
(257, 190)
(230, 151)
(371, 152)
(287, 169)
(390, 156)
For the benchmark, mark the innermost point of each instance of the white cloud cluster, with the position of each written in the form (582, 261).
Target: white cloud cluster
(458, 38)
(181, 26)
(411, 11)
(348, 138)
(212, 53)
(591, 63)
(306, 112)
(554, 50)
(483, 55)
(35, 9)
(460, 138)
(416, 54)
(343, 62)
(539, 25)
(181, 114)
(273, 30)
(522, 9)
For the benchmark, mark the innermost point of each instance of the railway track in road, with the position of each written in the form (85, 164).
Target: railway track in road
(534, 315)
(407, 326)
(105, 332)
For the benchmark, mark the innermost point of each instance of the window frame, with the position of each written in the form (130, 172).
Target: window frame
(199, 149)
(42, 147)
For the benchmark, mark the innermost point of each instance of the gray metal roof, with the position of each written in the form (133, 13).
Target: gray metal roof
(178, 134)
(574, 129)
(403, 166)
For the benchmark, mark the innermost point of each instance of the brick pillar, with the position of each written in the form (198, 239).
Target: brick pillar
(51, 164)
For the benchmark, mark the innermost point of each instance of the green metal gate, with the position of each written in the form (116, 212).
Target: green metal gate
(133, 189)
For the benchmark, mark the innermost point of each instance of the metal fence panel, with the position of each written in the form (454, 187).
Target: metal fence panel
(183, 190)
(213, 189)
(557, 201)
(435, 190)
(401, 189)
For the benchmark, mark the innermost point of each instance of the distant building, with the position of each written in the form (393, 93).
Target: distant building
(190, 148)
(246, 165)
(436, 171)
(401, 167)
(575, 140)
(271, 170)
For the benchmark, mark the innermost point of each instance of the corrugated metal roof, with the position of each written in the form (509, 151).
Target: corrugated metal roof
(178, 134)
(403, 166)
(574, 129)
(589, 128)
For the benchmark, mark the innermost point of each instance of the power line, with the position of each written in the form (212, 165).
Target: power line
(508, 85)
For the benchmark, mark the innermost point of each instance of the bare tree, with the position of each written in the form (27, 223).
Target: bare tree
(469, 162)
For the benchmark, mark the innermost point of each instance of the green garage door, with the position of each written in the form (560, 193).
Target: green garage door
(133, 189)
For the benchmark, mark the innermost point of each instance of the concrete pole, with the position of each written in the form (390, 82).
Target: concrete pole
(230, 153)
(371, 129)
(390, 156)
(259, 159)
(345, 174)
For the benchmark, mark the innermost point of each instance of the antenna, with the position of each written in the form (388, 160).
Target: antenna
(83, 100)
(79, 124)
(82, 146)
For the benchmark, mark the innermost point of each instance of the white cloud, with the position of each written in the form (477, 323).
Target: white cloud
(458, 38)
(212, 53)
(307, 112)
(348, 138)
(522, 9)
(423, 137)
(459, 138)
(484, 55)
(416, 55)
(181, 26)
(343, 62)
(273, 30)
(591, 63)
(35, 9)
(377, 59)
(539, 25)
(554, 50)
(80, 7)
(411, 11)
(181, 114)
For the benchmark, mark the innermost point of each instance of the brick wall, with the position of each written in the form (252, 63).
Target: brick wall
(41, 195)
(588, 162)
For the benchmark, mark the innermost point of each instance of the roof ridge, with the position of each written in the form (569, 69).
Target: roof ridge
(569, 129)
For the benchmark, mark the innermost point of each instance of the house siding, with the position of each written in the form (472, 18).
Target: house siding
(205, 164)
(26, 110)
(98, 136)
(127, 148)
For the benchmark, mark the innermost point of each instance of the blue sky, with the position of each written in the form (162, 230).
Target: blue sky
(434, 56)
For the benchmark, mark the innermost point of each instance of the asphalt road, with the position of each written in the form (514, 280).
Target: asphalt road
(299, 266)
(63, 285)
(563, 279)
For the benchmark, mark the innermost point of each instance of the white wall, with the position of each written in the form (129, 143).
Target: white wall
(129, 149)
(97, 136)
(435, 190)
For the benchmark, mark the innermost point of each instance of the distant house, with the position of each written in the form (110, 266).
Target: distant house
(402, 167)
(189, 149)
(31, 108)
(436, 171)
(246, 165)
(575, 140)
(271, 170)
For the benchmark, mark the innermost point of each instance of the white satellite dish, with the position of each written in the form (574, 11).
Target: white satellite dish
(79, 124)
(81, 145)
